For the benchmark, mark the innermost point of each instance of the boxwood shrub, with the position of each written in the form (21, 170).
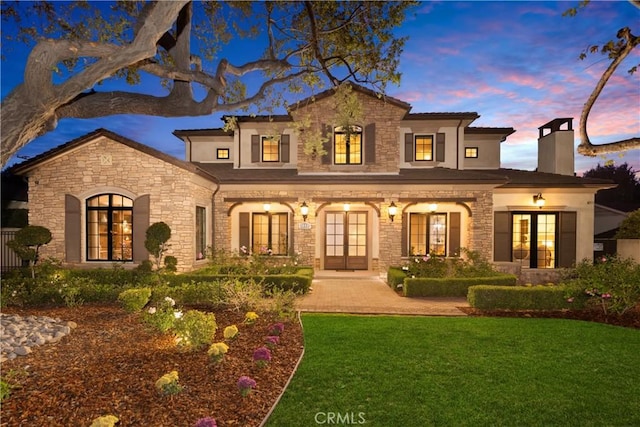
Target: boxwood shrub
(395, 277)
(451, 287)
(541, 297)
(298, 283)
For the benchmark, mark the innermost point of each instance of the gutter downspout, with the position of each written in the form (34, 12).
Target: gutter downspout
(458, 145)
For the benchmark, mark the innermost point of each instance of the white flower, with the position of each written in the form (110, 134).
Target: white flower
(152, 310)
(177, 314)
(170, 300)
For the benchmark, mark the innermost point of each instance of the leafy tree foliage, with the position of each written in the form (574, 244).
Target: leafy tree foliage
(626, 196)
(78, 46)
(630, 227)
(158, 234)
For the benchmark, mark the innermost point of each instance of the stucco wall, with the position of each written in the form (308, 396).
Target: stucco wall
(82, 172)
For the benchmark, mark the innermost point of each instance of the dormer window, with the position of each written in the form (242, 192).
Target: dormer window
(348, 145)
(270, 149)
(424, 148)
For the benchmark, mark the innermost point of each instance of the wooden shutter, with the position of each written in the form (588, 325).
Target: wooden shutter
(285, 148)
(140, 220)
(72, 228)
(440, 147)
(255, 149)
(245, 231)
(454, 234)
(370, 143)
(567, 241)
(403, 237)
(408, 147)
(501, 236)
(327, 159)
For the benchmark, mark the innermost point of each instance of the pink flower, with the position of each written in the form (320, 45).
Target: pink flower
(570, 299)
(206, 422)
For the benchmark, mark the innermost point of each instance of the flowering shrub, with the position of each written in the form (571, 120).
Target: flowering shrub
(474, 265)
(168, 384)
(610, 283)
(230, 332)
(105, 421)
(262, 357)
(195, 329)
(262, 261)
(217, 351)
(271, 341)
(163, 316)
(206, 422)
(245, 385)
(276, 329)
(251, 317)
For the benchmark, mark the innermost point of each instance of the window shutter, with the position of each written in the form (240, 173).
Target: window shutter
(370, 143)
(440, 147)
(245, 236)
(285, 148)
(403, 237)
(72, 228)
(502, 236)
(255, 148)
(408, 147)
(328, 145)
(454, 234)
(567, 243)
(141, 210)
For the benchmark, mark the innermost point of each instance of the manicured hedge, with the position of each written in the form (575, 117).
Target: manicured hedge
(451, 287)
(540, 297)
(299, 283)
(395, 277)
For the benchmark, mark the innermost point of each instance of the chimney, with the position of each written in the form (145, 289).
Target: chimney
(555, 147)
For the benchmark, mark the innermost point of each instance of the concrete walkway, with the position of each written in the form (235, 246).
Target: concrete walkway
(364, 293)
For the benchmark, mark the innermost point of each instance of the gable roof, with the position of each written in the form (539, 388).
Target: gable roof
(530, 179)
(34, 162)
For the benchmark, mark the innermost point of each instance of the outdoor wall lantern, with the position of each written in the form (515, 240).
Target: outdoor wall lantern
(433, 207)
(304, 210)
(393, 210)
(266, 207)
(538, 200)
(346, 207)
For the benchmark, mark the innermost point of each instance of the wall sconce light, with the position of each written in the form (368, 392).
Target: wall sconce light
(346, 207)
(266, 207)
(393, 210)
(304, 210)
(433, 207)
(538, 200)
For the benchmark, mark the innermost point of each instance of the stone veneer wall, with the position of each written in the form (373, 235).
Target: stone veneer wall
(174, 193)
(479, 232)
(387, 118)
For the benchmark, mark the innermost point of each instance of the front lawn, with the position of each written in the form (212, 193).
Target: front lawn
(421, 371)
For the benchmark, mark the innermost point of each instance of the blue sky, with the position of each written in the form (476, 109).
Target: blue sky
(513, 62)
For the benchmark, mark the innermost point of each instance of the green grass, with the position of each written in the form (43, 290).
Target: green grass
(422, 371)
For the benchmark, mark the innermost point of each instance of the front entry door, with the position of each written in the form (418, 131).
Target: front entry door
(346, 241)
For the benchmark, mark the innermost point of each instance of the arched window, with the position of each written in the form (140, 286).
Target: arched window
(109, 228)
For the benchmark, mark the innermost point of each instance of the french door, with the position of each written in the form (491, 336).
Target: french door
(346, 241)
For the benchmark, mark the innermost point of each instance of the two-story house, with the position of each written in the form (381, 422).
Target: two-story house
(394, 185)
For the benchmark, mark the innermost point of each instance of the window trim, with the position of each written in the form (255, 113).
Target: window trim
(277, 140)
(222, 150)
(340, 130)
(415, 147)
(466, 156)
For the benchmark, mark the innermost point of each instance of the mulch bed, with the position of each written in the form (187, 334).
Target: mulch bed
(111, 361)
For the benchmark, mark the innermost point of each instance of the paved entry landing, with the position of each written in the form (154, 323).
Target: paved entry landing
(365, 293)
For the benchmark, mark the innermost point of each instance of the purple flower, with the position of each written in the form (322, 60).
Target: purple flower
(277, 328)
(245, 384)
(262, 353)
(206, 422)
(272, 339)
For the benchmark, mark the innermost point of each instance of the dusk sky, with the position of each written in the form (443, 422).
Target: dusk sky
(515, 63)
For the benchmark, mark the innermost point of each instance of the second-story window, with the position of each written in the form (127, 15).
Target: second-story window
(348, 145)
(471, 152)
(424, 148)
(270, 149)
(222, 154)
